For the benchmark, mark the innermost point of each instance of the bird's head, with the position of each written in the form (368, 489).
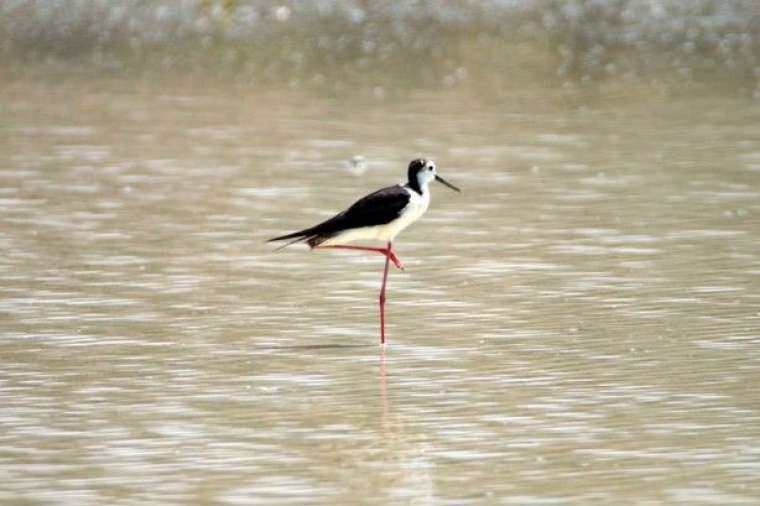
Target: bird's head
(423, 171)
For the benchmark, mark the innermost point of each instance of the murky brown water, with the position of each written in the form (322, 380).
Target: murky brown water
(581, 325)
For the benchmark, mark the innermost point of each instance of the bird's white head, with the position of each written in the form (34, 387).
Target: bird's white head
(421, 172)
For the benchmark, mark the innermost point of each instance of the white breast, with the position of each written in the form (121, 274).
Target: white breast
(416, 207)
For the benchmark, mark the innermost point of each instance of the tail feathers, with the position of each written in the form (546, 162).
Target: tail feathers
(301, 234)
(297, 239)
(307, 236)
(316, 240)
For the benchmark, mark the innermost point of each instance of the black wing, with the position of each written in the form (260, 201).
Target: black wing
(378, 208)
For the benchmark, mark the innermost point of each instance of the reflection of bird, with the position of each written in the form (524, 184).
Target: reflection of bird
(380, 215)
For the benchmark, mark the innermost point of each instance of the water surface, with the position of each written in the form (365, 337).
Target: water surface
(579, 326)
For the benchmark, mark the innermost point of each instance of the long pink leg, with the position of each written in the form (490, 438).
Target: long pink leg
(382, 298)
(390, 256)
(387, 252)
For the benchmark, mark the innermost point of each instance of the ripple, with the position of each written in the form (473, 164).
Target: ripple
(578, 320)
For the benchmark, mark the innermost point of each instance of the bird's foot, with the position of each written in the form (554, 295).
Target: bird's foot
(393, 258)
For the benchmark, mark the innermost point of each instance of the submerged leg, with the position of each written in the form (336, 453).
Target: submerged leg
(387, 252)
(382, 298)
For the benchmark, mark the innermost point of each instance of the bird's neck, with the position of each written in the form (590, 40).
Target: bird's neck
(415, 185)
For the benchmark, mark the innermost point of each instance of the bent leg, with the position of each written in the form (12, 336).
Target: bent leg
(387, 252)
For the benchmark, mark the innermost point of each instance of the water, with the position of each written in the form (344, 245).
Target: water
(579, 326)
(335, 45)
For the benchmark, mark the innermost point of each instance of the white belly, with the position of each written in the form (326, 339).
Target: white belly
(416, 207)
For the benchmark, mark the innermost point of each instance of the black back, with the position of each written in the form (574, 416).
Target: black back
(377, 208)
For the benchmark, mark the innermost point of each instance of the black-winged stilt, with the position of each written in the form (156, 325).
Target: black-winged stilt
(380, 215)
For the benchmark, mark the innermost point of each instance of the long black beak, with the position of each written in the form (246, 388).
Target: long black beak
(444, 182)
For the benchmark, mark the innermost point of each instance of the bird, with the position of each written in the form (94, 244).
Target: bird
(381, 215)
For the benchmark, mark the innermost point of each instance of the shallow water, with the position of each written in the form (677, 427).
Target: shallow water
(580, 325)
